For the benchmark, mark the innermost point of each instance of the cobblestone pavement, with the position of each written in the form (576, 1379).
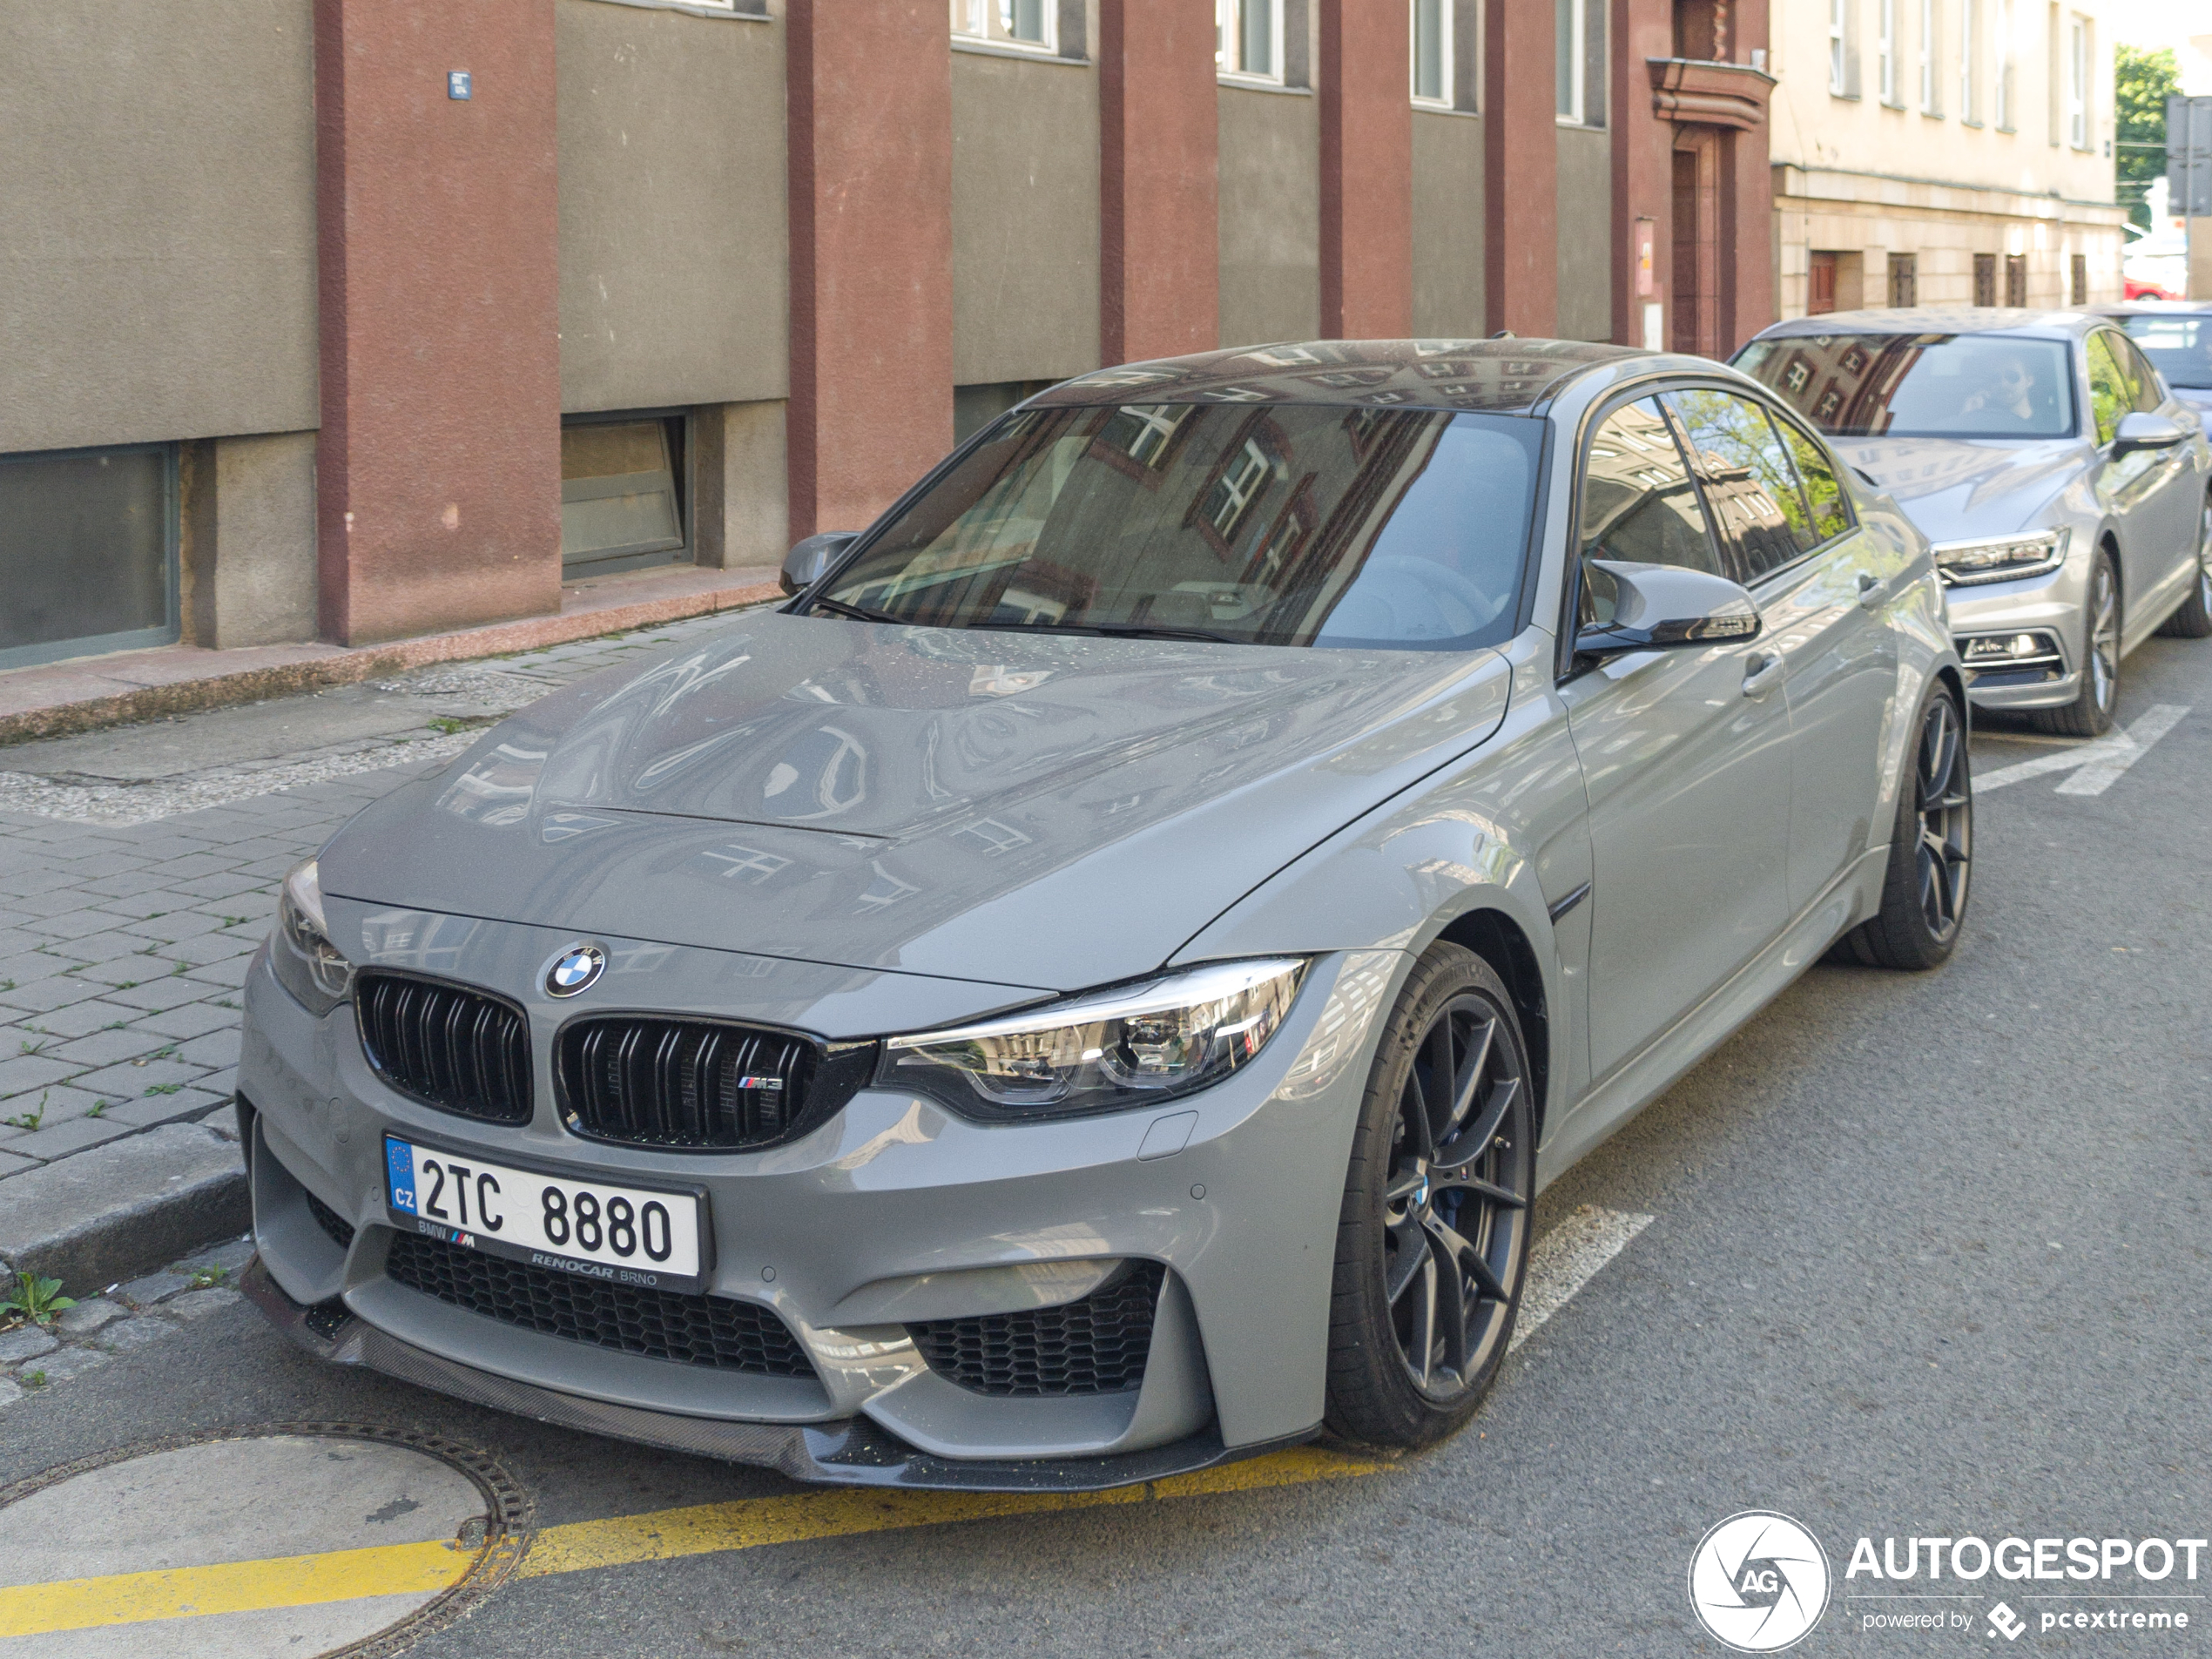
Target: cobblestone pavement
(120, 1319)
(133, 897)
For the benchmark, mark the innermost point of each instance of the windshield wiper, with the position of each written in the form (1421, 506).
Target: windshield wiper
(839, 608)
(1109, 630)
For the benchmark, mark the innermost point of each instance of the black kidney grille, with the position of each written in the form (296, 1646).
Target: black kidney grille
(457, 1049)
(340, 1229)
(1096, 1346)
(682, 1082)
(661, 1324)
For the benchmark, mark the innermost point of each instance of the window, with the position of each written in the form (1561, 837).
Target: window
(2016, 278)
(2077, 82)
(2181, 347)
(1638, 504)
(1985, 279)
(2079, 269)
(2007, 118)
(1931, 100)
(2150, 391)
(622, 505)
(1886, 50)
(1248, 38)
(1580, 60)
(1031, 26)
(1432, 52)
(1969, 29)
(2110, 397)
(1824, 497)
(1838, 62)
(1904, 279)
(1749, 482)
(88, 552)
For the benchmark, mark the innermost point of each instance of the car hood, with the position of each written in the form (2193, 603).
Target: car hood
(1955, 490)
(1032, 810)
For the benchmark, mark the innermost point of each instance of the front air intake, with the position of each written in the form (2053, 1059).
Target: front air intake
(1096, 1346)
(699, 1084)
(461, 1050)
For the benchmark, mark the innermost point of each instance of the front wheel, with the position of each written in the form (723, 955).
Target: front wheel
(2090, 713)
(2194, 619)
(1923, 895)
(1433, 1239)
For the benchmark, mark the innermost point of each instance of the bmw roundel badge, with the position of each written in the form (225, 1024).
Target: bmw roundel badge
(575, 970)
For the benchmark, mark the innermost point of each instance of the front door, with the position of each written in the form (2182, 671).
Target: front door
(1685, 756)
(1821, 584)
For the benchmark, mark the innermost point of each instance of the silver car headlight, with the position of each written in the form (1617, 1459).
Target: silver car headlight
(305, 962)
(1104, 1051)
(2001, 558)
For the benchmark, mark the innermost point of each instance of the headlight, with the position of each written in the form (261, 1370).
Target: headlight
(1105, 1051)
(2003, 558)
(305, 962)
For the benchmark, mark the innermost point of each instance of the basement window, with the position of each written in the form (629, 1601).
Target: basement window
(88, 552)
(622, 494)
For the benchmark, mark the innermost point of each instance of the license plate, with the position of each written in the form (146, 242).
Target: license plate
(594, 1229)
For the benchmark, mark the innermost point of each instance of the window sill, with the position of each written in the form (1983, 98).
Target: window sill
(720, 14)
(1419, 108)
(1026, 54)
(1260, 84)
(1573, 124)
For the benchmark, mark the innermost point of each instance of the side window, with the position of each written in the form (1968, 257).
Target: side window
(2110, 397)
(1824, 497)
(1638, 503)
(1748, 481)
(2150, 390)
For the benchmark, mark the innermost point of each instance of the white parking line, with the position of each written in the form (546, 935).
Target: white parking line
(2096, 766)
(1567, 1258)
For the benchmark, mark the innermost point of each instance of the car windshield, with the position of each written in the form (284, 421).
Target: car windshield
(2178, 347)
(1286, 525)
(1919, 386)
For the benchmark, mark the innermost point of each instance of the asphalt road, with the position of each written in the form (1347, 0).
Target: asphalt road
(1929, 1257)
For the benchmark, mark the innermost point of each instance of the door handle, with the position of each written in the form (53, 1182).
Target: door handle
(1871, 588)
(1761, 671)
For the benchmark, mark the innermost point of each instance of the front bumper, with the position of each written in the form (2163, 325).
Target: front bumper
(894, 1211)
(2049, 604)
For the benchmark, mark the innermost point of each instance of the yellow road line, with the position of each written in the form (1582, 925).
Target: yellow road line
(390, 1570)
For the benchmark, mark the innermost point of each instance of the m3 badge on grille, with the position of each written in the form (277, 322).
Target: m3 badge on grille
(575, 970)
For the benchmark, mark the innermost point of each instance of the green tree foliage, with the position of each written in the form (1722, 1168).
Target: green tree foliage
(2142, 81)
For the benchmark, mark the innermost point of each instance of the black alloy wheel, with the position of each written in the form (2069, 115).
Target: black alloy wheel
(1925, 890)
(1435, 1235)
(2194, 619)
(2090, 713)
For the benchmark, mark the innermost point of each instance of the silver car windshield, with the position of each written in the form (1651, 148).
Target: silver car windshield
(1920, 386)
(2178, 347)
(1286, 524)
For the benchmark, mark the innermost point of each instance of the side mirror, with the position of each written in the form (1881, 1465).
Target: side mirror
(807, 560)
(2143, 430)
(1657, 607)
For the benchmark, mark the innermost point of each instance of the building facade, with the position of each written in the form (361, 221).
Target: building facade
(1943, 152)
(359, 319)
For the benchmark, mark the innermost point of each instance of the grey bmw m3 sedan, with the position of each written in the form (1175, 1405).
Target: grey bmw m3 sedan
(1092, 986)
(2066, 487)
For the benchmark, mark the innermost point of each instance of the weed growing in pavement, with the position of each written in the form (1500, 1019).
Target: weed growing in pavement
(180, 968)
(163, 1054)
(28, 1047)
(235, 921)
(224, 1002)
(115, 1025)
(447, 726)
(128, 985)
(30, 1119)
(33, 1300)
(163, 1088)
(33, 1379)
(207, 1278)
(101, 1110)
(7, 985)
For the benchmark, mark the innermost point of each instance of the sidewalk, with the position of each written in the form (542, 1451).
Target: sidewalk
(90, 693)
(130, 911)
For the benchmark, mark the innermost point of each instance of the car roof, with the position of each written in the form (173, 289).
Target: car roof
(1504, 376)
(2155, 309)
(1938, 320)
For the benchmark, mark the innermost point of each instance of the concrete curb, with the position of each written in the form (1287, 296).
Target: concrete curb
(315, 669)
(113, 1212)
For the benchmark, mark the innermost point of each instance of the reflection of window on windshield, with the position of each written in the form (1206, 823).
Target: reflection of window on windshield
(1920, 386)
(1276, 523)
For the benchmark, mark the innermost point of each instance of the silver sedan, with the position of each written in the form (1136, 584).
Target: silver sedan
(2067, 489)
(1092, 987)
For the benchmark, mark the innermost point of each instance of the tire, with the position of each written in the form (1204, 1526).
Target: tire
(2090, 714)
(2194, 619)
(1433, 1240)
(1925, 894)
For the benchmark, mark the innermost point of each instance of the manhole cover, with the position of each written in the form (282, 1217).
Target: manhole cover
(298, 1538)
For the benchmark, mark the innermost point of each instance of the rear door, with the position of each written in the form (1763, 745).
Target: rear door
(1821, 584)
(2135, 488)
(2173, 490)
(1685, 755)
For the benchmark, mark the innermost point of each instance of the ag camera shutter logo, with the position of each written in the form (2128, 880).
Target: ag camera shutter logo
(1759, 1581)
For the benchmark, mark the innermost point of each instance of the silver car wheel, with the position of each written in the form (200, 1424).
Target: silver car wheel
(1456, 1203)
(2104, 635)
(1945, 810)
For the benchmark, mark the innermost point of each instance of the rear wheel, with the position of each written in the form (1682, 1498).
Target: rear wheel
(2090, 714)
(1433, 1239)
(1923, 896)
(2194, 619)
